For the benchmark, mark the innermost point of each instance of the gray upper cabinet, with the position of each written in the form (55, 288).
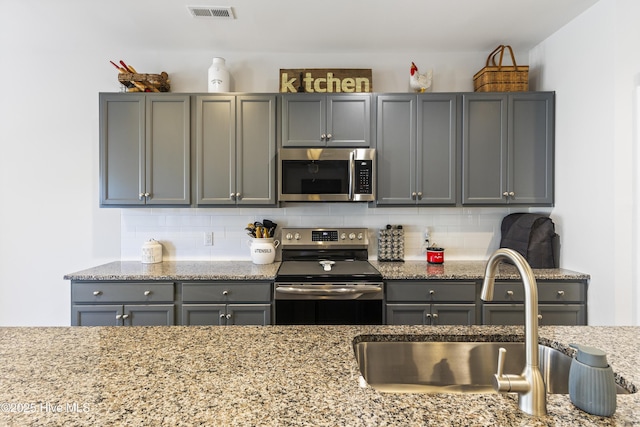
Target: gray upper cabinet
(507, 148)
(416, 140)
(235, 150)
(144, 149)
(313, 120)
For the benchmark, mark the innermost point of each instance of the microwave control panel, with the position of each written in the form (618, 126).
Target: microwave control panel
(364, 176)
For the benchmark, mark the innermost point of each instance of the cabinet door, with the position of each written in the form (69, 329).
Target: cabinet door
(531, 148)
(396, 149)
(168, 152)
(408, 314)
(453, 314)
(96, 315)
(569, 314)
(215, 150)
(203, 314)
(122, 149)
(149, 315)
(436, 149)
(249, 314)
(348, 120)
(304, 120)
(484, 148)
(256, 150)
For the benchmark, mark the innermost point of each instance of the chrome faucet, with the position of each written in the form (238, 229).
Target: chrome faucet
(529, 385)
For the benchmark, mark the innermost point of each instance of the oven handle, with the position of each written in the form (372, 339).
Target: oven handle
(352, 175)
(350, 290)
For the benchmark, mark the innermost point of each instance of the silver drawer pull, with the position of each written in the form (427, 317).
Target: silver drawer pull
(147, 293)
(96, 293)
(539, 316)
(225, 292)
(432, 292)
(118, 316)
(228, 316)
(510, 293)
(125, 316)
(222, 316)
(561, 293)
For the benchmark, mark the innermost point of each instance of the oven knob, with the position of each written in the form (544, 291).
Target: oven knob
(296, 236)
(352, 236)
(289, 236)
(343, 236)
(360, 236)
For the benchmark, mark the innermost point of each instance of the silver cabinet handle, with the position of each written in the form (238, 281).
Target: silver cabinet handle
(222, 316)
(147, 293)
(432, 292)
(225, 292)
(140, 196)
(419, 194)
(232, 195)
(96, 293)
(228, 316)
(511, 193)
(329, 136)
(125, 316)
(414, 195)
(237, 195)
(505, 194)
(510, 293)
(561, 293)
(539, 316)
(435, 315)
(118, 316)
(323, 137)
(428, 315)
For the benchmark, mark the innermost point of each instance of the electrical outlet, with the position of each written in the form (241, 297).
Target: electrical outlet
(208, 238)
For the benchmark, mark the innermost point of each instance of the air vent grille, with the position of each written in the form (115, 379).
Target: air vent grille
(220, 12)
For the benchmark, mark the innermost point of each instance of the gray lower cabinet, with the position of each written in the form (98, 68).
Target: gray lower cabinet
(122, 304)
(318, 120)
(559, 303)
(416, 140)
(507, 148)
(145, 146)
(226, 303)
(235, 144)
(431, 303)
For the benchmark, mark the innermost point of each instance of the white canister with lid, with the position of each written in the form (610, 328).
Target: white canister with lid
(151, 252)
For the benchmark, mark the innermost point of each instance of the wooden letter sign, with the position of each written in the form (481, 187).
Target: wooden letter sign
(325, 80)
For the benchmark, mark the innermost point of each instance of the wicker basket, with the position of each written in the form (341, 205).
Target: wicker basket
(145, 82)
(501, 78)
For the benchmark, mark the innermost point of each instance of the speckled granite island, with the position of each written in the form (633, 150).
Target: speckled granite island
(264, 376)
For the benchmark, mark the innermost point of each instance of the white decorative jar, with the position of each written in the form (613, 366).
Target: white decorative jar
(218, 76)
(151, 252)
(263, 251)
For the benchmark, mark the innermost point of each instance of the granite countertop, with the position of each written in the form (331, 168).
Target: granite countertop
(263, 375)
(246, 270)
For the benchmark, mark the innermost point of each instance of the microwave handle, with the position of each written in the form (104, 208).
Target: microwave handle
(352, 175)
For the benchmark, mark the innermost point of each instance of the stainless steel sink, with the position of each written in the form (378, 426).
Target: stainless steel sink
(453, 367)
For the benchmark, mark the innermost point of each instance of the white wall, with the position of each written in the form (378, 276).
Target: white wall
(589, 65)
(54, 65)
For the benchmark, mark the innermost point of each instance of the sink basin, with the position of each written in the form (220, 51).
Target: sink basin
(453, 367)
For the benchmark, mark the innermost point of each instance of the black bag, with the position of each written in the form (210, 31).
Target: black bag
(534, 237)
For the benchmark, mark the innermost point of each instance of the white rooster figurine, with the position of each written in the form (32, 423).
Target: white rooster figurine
(420, 82)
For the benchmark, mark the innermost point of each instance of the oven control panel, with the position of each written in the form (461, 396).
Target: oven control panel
(325, 236)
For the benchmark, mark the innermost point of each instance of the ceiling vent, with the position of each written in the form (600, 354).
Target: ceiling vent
(220, 12)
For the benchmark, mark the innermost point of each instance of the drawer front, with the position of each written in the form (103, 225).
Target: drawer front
(125, 292)
(431, 291)
(226, 292)
(547, 292)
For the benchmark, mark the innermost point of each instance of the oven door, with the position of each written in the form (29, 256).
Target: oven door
(329, 303)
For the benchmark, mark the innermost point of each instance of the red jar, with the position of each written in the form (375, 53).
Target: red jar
(435, 255)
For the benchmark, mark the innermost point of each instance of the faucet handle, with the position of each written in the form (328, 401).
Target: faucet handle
(501, 382)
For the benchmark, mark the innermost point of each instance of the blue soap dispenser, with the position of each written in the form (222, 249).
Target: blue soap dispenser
(592, 386)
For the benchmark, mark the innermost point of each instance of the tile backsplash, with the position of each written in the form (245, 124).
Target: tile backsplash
(465, 233)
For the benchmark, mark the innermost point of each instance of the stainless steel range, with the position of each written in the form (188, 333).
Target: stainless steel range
(325, 278)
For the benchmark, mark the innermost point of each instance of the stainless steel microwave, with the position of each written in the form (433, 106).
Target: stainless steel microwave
(327, 174)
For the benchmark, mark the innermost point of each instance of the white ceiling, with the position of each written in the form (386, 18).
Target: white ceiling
(336, 25)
